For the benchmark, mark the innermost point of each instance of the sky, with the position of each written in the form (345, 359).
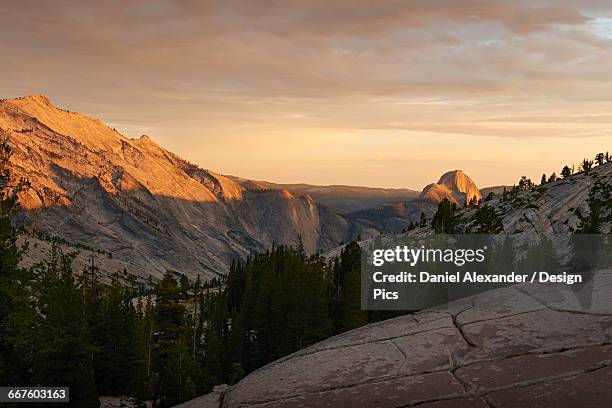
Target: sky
(361, 92)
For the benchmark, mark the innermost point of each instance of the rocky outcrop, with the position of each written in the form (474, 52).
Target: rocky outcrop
(455, 186)
(396, 217)
(143, 208)
(521, 346)
(555, 208)
(213, 399)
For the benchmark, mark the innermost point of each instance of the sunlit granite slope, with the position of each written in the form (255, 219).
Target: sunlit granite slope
(143, 207)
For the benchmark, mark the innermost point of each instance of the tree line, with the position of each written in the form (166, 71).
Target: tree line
(179, 340)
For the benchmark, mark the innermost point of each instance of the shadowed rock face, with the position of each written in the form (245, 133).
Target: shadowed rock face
(342, 199)
(521, 346)
(144, 205)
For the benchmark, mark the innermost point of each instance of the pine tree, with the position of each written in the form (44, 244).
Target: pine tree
(445, 220)
(171, 360)
(213, 364)
(143, 331)
(566, 172)
(346, 301)
(309, 321)
(184, 287)
(17, 313)
(216, 336)
(525, 184)
(270, 309)
(64, 349)
(600, 197)
(115, 341)
(486, 221)
(422, 220)
(540, 256)
(586, 165)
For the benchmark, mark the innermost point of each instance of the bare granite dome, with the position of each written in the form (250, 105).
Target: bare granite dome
(455, 186)
(521, 346)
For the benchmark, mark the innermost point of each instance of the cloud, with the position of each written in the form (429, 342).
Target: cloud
(282, 48)
(204, 72)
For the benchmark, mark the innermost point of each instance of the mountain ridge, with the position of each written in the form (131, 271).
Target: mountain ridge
(342, 198)
(145, 205)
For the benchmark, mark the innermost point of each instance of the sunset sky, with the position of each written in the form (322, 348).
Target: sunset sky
(377, 93)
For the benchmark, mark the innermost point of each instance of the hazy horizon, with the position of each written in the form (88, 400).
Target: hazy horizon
(354, 93)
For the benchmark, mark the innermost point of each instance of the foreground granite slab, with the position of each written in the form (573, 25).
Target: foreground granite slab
(522, 346)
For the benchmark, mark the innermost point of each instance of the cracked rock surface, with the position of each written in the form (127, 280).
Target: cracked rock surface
(521, 346)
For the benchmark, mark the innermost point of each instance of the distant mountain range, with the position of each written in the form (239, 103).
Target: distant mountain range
(340, 198)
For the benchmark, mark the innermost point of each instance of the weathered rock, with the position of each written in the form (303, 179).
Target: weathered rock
(121, 402)
(521, 346)
(211, 400)
(455, 186)
(553, 208)
(148, 208)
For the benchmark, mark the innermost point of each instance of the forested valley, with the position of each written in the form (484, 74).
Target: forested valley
(169, 342)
